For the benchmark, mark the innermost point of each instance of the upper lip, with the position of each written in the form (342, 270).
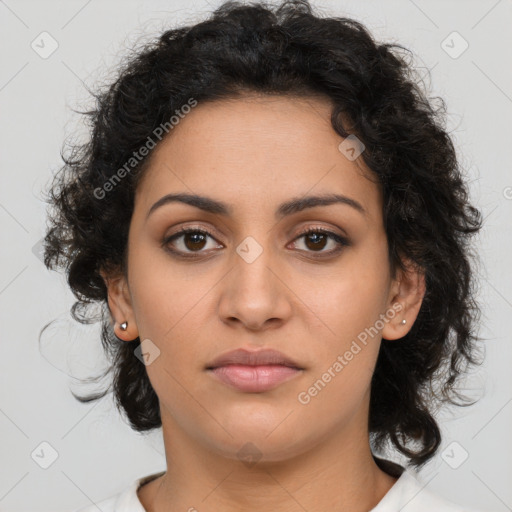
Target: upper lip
(253, 358)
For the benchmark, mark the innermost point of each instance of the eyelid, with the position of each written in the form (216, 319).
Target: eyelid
(185, 230)
(341, 241)
(321, 229)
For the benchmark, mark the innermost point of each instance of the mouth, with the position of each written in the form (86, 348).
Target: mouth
(254, 371)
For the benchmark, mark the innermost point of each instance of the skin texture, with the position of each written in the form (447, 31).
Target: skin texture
(253, 154)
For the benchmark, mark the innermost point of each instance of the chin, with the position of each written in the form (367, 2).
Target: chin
(252, 451)
(261, 441)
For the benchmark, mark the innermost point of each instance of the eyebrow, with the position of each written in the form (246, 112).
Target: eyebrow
(294, 205)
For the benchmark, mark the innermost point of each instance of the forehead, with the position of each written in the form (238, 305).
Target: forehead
(254, 152)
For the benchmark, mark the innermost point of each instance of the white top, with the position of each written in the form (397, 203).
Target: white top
(406, 495)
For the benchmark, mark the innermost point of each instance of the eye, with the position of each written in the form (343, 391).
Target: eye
(188, 241)
(316, 240)
(194, 240)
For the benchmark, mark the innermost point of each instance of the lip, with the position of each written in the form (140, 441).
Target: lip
(253, 358)
(254, 371)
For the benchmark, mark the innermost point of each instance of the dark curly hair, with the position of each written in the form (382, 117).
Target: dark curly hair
(375, 94)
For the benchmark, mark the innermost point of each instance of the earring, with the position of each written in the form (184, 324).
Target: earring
(404, 321)
(124, 326)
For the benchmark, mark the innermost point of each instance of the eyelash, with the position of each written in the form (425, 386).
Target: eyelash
(342, 241)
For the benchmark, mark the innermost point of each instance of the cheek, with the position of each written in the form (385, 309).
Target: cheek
(349, 300)
(346, 353)
(344, 321)
(172, 310)
(164, 295)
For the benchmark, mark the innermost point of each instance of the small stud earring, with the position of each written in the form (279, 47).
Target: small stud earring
(124, 326)
(404, 321)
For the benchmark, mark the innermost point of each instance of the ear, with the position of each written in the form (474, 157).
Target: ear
(120, 305)
(405, 298)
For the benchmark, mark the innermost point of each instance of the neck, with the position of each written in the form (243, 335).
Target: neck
(332, 475)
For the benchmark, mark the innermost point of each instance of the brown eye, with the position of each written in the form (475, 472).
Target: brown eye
(194, 241)
(189, 241)
(317, 239)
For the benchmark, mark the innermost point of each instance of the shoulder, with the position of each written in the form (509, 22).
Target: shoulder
(415, 497)
(125, 501)
(410, 494)
(106, 505)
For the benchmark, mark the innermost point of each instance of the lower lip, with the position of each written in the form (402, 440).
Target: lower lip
(254, 379)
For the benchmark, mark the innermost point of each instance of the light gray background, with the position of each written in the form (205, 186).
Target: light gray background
(98, 454)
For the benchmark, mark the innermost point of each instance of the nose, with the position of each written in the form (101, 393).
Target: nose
(255, 293)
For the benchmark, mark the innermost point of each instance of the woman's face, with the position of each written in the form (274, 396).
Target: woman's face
(254, 282)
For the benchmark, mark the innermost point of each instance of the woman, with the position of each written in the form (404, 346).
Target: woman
(276, 218)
